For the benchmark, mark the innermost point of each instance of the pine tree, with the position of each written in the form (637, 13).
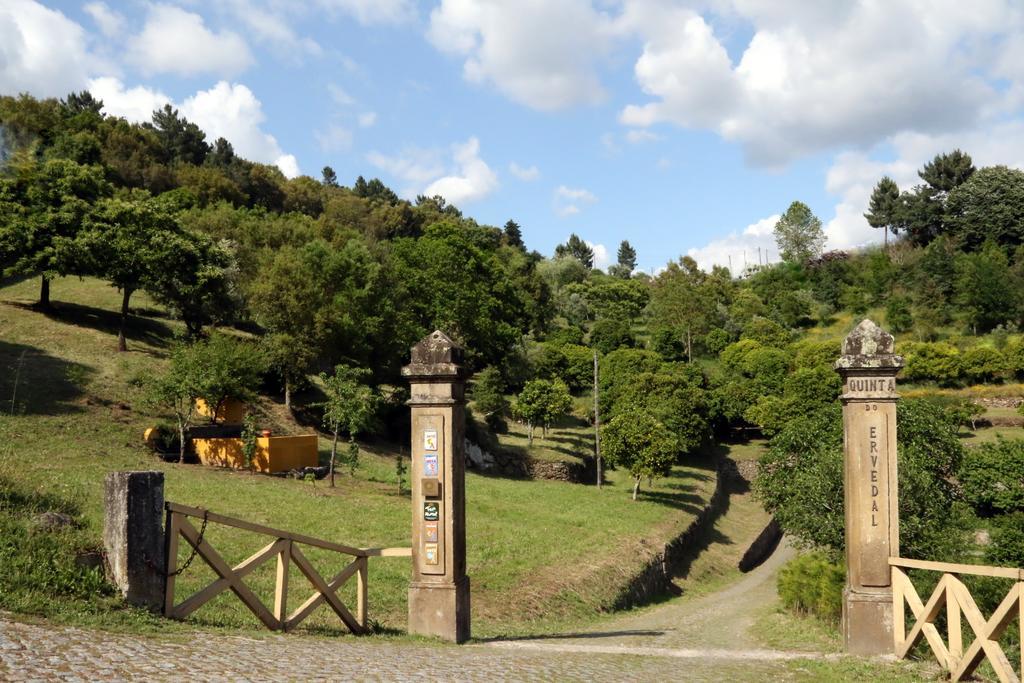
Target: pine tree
(513, 234)
(626, 259)
(330, 178)
(577, 249)
(884, 206)
(798, 234)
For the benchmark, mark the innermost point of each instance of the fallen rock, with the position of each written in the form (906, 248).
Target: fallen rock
(53, 521)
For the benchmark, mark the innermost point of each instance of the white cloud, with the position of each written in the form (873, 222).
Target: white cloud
(638, 135)
(465, 178)
(289, 165)
(373, 11)
(472, 180)
(334, 139)
(367, 119)
(42, 52)
(537, 52)
(601, 258)
(135, 104)
(270, 24)
(340, 95)
(109, 22)
(740, 249)
(568, 200)
(525, 173)
(832, 75)
(176, 41)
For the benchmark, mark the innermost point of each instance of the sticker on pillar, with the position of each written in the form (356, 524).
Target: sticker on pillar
(430, 440)
(430, 553)
(430, 466)
(430, 532)
(431, 511)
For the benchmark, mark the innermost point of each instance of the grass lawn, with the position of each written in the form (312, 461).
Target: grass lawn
(541, 554)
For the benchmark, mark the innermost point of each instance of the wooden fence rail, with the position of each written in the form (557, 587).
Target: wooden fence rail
(286, 549)
(954, 596)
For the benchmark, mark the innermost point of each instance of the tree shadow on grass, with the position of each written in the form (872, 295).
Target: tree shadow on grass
(139, 329)
(32, 382)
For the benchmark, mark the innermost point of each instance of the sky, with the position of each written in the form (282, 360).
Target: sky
(685, 127)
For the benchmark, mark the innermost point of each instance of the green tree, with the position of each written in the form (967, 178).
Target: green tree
(898, 315)
(625, 261)
(884, 206)
(328, 177)
(988, 206)
(514, 234)
(349, 407)
(948, 171)
(226, 368)
(181, 139)
(177, 388)
(42, 209)
(638, 442)
(489, 398)
(982, 287)
(610, 334)
(122, 240)
(577, 249)
(541, 402)
(798, 234)
(681, 301)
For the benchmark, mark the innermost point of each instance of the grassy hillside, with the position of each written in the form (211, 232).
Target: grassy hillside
(540, 553)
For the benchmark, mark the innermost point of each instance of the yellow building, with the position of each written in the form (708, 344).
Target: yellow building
(273, 453)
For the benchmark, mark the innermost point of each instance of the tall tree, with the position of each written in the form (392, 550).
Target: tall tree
(181, 139)
(121, 239)
(989, 206)
(798, 234)
(948, 171)
(576, 248)
(626, 258)
(42, 209)
(349, 407)
(883, 209)
(513, 234)
(681, 302)
(329, 177)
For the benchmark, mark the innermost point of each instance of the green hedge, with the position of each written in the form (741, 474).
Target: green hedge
(813, 584)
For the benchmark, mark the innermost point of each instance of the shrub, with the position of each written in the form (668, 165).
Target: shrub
(800, 479)
(489, 398)
(992, 477)
(667, 344)
(637, 441)
(610, 334)
(716, 340)
(813, 584)
(1006, 547)
(734, 356)
(767, 332)
(984, 364)
(619, 369)
(548, 361)
(898, 315)
(579, 369)
(811, 354)
(932, 361)
(767, 367)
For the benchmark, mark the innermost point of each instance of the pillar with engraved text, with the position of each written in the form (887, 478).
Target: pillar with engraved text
(439, 591)
(868, 367)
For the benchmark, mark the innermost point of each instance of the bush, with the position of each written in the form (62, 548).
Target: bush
(984, 364)
(992, 477)
(637, 441)
(800, 479)
(734, 356)
(716, 340)
(898, 315)
(548, 361)
(610, 334)
(579, 369)
(813, 584)
(619, 369)
(767, 332)
(489, 398)
(767, 368)
(667, 344)
(566, 335)
(812, 354)
(932, 361)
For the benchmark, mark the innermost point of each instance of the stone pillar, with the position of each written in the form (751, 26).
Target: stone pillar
(439, 591)
(868, 367)
(133, 535)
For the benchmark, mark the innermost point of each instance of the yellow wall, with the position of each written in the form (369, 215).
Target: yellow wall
(232, 412)
(273, 454)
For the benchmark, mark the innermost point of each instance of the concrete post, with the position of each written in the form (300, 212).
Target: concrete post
(868, 367)
(133, 535)
(439, 591)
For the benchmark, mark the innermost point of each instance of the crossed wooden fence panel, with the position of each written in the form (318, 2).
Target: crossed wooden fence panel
(954, 596)
(285, 548)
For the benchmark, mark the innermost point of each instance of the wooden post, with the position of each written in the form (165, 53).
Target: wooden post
(439, 590)
(362, 577)
(597, 423)
(281, 586)
(171, 555)
(868, 367)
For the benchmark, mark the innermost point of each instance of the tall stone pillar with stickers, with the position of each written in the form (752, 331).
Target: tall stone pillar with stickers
(439, 591)
(868, 367)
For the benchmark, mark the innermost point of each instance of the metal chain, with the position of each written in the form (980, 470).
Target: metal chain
(195, 548)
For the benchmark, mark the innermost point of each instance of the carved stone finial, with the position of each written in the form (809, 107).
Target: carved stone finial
(436, 355)
(869, 346)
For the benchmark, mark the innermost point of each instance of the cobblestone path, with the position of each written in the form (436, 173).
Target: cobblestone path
(668, 642)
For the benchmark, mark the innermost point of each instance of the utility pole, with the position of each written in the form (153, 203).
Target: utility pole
(597, 425)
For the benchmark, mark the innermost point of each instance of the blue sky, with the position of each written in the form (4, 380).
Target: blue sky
(682, 126)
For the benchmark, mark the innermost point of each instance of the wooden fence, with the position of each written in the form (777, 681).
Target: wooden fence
(951, 593)
(284, 547)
